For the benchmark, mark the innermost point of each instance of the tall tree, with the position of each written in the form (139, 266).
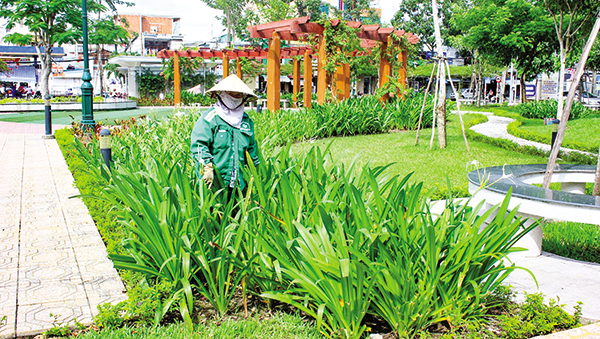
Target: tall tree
(415, 16)
(572, 20)
(105, 31)
(233, 13)
(50, 23)
(505, 31)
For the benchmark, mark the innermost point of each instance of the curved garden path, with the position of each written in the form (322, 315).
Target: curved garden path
(497, 127)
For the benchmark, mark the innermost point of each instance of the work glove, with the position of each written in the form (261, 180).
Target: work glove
(209, 175)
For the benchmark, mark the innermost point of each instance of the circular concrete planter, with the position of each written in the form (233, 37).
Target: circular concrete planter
(491, 185)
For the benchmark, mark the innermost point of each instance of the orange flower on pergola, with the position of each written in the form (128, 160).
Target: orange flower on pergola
(294, 30)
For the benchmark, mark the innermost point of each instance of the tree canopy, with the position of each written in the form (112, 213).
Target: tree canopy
(505, 31)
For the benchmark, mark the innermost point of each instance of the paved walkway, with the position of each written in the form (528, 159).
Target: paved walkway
(52, 259)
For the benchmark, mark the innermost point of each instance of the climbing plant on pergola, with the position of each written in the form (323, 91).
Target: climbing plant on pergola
(300, 29)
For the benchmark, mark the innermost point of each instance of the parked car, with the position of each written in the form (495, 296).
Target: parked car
(468, 93)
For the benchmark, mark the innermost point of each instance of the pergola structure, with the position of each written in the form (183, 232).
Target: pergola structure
(294, 30)
(250, 53)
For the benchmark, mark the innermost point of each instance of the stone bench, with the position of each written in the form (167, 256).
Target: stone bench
(491, 185)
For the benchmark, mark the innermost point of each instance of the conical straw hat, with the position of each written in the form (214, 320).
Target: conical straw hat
(233, 84)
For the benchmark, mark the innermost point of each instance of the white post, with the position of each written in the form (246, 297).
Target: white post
(512, 84)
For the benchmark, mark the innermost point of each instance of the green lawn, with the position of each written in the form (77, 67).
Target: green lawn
(64, 117)
(430, 166)
(265, 326)
(585, 130)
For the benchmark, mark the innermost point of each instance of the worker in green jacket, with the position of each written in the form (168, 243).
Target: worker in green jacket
(224, 134)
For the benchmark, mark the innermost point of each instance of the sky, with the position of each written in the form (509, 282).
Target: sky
(198, 21)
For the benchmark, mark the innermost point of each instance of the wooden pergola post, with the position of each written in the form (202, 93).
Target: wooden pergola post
(238, 65)
(402, 71)
(273, 72)
(340, 82)
(177, 79)
(296, 74)
(385, 69)
(347, 76)
(225, 65)
(307, 80)
(321, 73)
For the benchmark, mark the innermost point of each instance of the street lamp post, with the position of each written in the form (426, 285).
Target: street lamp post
(87, 90)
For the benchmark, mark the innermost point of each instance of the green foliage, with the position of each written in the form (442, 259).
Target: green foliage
(415, 16)
(510, 31)
(150, 84)
(364, 115)
(188, 70)
(4, 67)
(369, 238)
(141, 307)
(548, 108)
(573, 240)
(534, 318)
(303, 219)
(261, 326)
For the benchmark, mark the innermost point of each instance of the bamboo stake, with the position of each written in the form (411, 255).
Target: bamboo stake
(462, 124)
(435, 98)
(424, 101)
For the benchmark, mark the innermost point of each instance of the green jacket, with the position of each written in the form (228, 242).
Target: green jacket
(216, 142)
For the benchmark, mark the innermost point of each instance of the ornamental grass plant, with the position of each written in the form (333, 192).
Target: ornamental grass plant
(333, 240)
(355, 116)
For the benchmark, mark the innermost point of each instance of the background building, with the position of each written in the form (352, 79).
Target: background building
(152, 32)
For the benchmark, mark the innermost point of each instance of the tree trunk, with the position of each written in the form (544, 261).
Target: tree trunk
(46, 70)
(441, 106)
(100, 71)
(561, 80)
(569, 103)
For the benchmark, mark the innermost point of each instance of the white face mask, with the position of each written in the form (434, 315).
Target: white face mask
(230, 109)
(229, 101)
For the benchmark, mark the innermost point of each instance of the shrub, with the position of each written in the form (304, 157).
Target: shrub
(548, 108)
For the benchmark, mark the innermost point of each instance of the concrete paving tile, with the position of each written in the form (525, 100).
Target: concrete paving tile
(99, 268)
(104, 290)
(49, 291)
(54, 233)
(89, 253)
(38, 272)
(35, 318)
(7, 327)
(47, 257)
(44, 244)
(85, 240)
(8, 297)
